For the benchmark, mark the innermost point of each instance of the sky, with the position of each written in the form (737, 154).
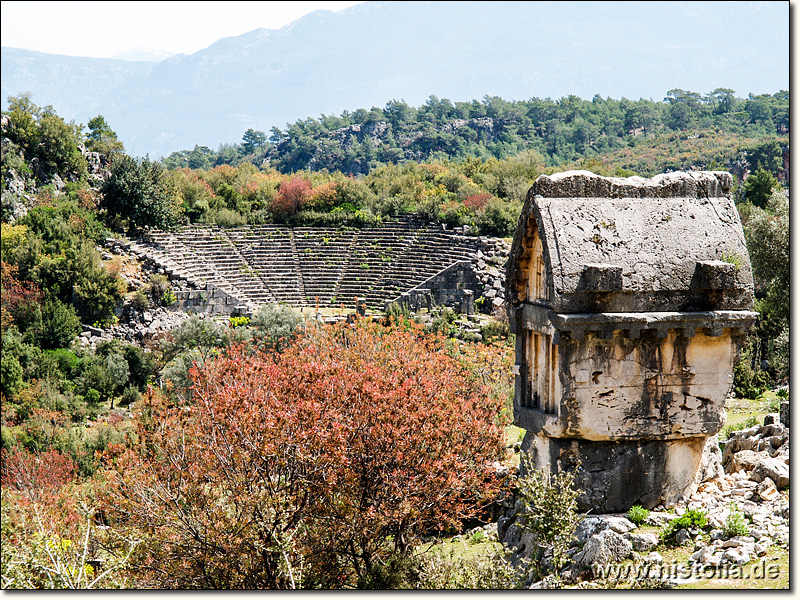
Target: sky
(105, 29)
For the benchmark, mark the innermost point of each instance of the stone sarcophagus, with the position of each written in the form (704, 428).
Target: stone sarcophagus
(630, 299)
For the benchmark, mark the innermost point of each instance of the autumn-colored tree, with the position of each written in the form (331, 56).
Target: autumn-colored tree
(314, 467)
(19, 300)
(35, 472)
(476, 201)
(292, 195)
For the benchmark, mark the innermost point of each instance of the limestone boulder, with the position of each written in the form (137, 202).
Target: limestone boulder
(589, 527)
(603, 548)
(771, 468)
(642, 542)
(746, 460)
(711, 461)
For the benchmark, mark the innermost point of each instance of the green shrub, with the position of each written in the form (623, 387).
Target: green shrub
(438, 571)
(735, 524)
(748, 383)
(157, 286)
(129, 395)
(694, 518)
(59, 325)
(494, 328)
(396, 312)
(92, 397)
(140, 300)
(275, 325)
(638, 514)
(550, 509)
(443, 321)
(226, 217)
(138, 192)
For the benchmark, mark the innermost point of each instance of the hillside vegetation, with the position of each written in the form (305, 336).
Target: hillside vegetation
(153, 463)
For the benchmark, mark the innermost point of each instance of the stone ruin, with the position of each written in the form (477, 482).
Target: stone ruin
(630, 299)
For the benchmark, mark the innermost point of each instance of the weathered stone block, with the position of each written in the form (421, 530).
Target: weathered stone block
(715, 275)
(601, 278)
(603, 548)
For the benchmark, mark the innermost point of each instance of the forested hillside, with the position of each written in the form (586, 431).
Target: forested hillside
(643, 136)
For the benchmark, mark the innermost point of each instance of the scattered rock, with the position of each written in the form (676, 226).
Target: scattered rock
(659, 519)
(654, 558)
(589, 527)
(642, 542)
(767, 490)
(736, 556)
(771, 468)
(619, 524)
(747, 459)
(683, 537)
(605, 547)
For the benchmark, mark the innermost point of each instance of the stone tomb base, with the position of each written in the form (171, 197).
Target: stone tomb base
(613, 476)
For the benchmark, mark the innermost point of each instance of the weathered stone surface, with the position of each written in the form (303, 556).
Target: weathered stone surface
(746, 460)
(711, 461)
(771, 468)
(588, 527)
(767, 490)
(603, 548)
(654, 558)
(702, 555)
(736, 556)
(605, 221)
(617, 475)
(683, 537)
(619, 524)
(642, 542)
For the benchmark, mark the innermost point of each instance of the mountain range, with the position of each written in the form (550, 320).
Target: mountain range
(375, 52)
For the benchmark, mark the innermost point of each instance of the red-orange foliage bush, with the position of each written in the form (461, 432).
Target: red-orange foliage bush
(333, 455)
(292, 195)
(476, 201)
(34, 473)
(19, 300)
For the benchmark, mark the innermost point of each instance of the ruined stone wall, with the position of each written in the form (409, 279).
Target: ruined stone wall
(447, 287)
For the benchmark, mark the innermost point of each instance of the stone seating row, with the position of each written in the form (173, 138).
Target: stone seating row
(305, 266)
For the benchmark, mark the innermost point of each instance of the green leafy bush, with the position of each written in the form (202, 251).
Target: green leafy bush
(439, 571)
(396, 312)
(550, 509)
(140, 299)
(137, 193)
(638, 514)
(129, 395)
(275, 325)
(735, 524)
(59, 325)
(694, 518)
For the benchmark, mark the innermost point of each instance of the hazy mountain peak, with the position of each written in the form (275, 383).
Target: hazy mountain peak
(371, 53)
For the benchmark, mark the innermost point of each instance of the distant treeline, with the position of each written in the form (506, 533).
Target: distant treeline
(563, 131)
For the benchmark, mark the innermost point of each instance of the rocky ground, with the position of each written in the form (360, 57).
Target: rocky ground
(610, 549)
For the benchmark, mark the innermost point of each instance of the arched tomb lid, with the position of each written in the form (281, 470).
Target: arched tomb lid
(654, 242)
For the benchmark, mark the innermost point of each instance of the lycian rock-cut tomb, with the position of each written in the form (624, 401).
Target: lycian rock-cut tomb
(630, 299)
